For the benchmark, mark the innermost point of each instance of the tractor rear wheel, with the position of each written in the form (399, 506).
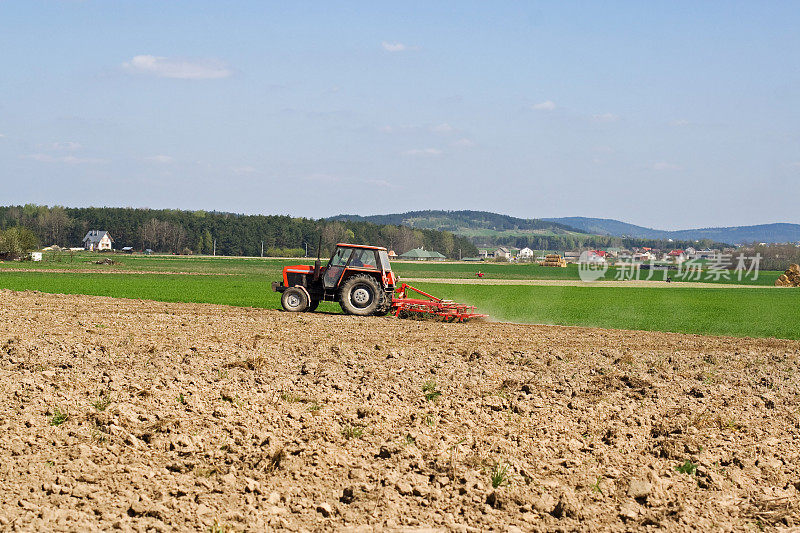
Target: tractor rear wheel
(361, 295)
(294, 300)
(384, 304)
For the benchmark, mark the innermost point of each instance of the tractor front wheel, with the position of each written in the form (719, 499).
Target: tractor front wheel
(294, 300)
(360, 295)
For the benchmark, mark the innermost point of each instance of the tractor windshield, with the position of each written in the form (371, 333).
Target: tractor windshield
(336, 267)
(385, 261)
(341, 256)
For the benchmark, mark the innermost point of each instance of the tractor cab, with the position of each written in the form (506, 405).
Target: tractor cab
(359, 277)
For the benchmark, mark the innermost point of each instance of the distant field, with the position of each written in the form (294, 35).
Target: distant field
(533, 271)
(246, 282)
(736, 312)
(272, 267)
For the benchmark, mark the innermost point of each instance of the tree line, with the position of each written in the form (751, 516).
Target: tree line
(205, 232)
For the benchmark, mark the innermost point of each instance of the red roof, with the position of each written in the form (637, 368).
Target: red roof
(676, 252)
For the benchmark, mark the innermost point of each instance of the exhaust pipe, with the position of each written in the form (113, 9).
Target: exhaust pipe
(317, 264)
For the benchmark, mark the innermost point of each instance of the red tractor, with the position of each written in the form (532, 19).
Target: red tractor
(360, 278)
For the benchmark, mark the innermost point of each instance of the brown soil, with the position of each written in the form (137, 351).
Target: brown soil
(191, 416)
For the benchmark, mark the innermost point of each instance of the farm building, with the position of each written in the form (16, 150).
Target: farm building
(420, 254)
(526, 254)
(592, 257)
(97, 240)
(677, 256)
(503, 252)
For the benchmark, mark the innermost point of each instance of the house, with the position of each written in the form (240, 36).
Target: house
(485, 253)
(503, 252)
(97, 240)
(526, 254)
(703, 254)
(592, 257)
(420, 254)
(676, 256)
(643, 257)
(392, 254)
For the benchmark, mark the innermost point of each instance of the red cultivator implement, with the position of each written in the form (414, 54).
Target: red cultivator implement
(430, 307)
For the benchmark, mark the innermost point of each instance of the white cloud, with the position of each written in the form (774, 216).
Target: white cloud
(664, 165)
(681, 122)
(246, 169)
(1, 135)
(386, 129)
(463, 143)
(547, 105)
(394, 47)
(69, 159)
(605, 117)
(423, 152)
(185, 69)
(67, 145)
(163, 159)
(442, 128)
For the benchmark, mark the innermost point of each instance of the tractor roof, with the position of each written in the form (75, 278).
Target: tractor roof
(345, 245)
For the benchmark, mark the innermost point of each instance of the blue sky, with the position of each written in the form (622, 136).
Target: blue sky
(665, 114)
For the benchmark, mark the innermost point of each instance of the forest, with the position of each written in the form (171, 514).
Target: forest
(206, 232)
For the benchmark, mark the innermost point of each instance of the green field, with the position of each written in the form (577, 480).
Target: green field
(246, 282)
(272, 267)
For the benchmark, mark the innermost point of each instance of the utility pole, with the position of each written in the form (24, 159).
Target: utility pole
(306, 248)
(215, 247)
(459, 254)
(262, 248)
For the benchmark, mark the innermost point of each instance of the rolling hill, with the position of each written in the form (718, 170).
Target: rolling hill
(778, 232)
(470, 223)
(483, 225)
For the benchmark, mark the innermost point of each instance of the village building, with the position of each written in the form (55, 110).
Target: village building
(503, 252)
(526, 254)
(97, 240)
(676, 256)
(421, 254)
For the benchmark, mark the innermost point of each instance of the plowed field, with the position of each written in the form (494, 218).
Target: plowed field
(141, 415)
